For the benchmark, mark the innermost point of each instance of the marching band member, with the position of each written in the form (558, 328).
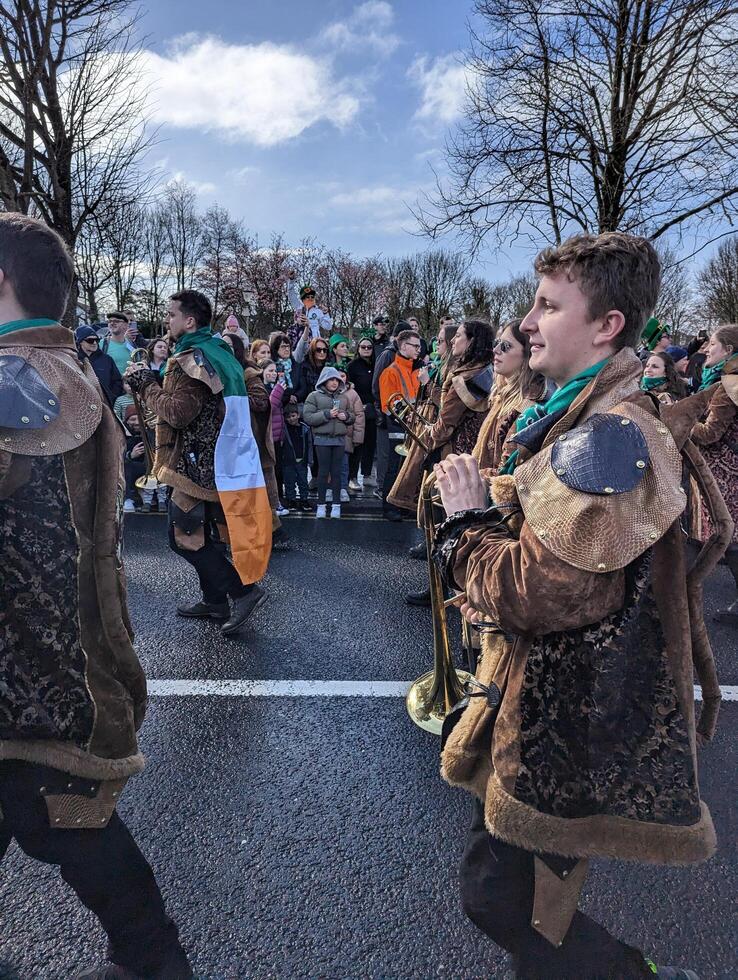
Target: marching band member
(206, 451)
(73, 693)
(582, 744)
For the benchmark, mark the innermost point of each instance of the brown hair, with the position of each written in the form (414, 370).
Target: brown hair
(673, 383)
(255, 345)
(615, 271)
(311, 350)
(37, 264)
(532, 385)
(728, 335)
(404, 335)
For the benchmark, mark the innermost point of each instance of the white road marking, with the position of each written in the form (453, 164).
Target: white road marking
(309, 689)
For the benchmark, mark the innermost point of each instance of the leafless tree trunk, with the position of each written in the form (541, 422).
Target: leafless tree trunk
(156, 260)
(401, 286)
(71, 110)
(441, 277)
(718, 284)
(184, 232)
(593, 115)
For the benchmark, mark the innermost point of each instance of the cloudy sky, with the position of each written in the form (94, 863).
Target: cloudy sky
(320, 117)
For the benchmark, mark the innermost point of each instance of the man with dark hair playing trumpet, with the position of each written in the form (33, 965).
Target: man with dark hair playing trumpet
(583, 743)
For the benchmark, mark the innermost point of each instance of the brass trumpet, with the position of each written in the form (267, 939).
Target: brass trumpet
(145, 419)
(405, 414)
(435, 693)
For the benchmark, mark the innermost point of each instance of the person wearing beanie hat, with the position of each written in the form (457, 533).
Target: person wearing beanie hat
(679, 356)
(88, 348)
(304, 303)
(340, 353)
(232, 325)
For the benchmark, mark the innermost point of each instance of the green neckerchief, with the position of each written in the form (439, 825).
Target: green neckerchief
(560, 400)
(220, 357)
(709, 377)
(649, 384)
(26, 325)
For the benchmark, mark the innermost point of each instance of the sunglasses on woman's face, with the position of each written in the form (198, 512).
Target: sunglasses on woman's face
(365, 347)
(503, 346)
(321, 350)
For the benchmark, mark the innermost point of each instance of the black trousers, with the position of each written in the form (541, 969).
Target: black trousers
(330, 462)
(295, 479)
(104, 867)
(497, 888)
(363, 456)
(218, 578)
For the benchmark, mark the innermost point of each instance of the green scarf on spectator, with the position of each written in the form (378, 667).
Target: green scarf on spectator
(648, 384)
(561, 399)
(27, 324)
(220, 357)
(709, 377)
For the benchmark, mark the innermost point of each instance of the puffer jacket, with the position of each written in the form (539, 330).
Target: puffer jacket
(318, 407)
(355, 434)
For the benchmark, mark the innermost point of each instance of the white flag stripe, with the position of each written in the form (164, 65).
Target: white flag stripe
(237, 465)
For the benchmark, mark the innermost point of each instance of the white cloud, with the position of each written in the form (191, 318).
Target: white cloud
(203, 188)
(442, 84)
(369, 26)
(380, 207)
(257, 93)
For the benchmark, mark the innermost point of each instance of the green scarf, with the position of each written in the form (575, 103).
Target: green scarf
(561, 399)
(220, 357)
(649, 384)
(26, 325)
(709, 377)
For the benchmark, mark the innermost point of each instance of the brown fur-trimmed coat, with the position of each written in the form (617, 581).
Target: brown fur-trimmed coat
(73, 693)
(593, 752)
(460, 418)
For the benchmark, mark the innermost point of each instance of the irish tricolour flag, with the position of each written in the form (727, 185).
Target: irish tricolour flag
(242, 491)
(238, 475)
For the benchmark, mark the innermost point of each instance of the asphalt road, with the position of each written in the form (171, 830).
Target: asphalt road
(312, 837)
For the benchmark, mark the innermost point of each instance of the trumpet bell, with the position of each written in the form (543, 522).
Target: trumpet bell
(402, 450)
(428, 701)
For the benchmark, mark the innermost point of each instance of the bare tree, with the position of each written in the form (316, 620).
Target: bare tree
(718, 284)
(593, 115)
(93, 266)
(401, 286)
(157, 263)
(219, 234)
(123, 235)
(184, 231)
(441, 277)
(353, 287)
(71, 109)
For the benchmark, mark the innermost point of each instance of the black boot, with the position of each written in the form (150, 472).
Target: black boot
(419, 598)
(419, 551)
(204, 610)
(242, 609)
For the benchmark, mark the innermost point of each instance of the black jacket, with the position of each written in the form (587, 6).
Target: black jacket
(107, 374)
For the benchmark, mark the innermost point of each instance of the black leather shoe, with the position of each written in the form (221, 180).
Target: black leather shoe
(242, 609)
(419, 598)
(205, 610)
(418, 551)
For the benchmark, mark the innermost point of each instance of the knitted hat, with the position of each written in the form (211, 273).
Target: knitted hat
(337, 339)
(232, 321)
(653, 332)
(83, 333)
(677, 353)
(304, 290)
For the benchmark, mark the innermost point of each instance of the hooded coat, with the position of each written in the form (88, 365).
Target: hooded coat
(318, 406)
(593, 750)
(73, 694)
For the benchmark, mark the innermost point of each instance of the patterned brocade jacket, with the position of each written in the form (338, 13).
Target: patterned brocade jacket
(72, 692)
(593, 750)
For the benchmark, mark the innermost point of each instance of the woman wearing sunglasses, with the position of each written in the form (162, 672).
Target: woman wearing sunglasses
(516, 387)
(361, 374)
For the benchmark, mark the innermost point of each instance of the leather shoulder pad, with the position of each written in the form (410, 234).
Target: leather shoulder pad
(26, 401)
(607, 454)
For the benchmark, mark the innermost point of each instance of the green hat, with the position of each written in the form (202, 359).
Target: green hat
(304, 290)
(337, 338)
(653, 332)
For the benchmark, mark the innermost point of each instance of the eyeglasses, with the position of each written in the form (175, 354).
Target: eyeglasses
(415, 346)
(503, 346)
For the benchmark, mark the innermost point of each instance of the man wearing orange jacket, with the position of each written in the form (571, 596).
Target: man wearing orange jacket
(398, 377)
